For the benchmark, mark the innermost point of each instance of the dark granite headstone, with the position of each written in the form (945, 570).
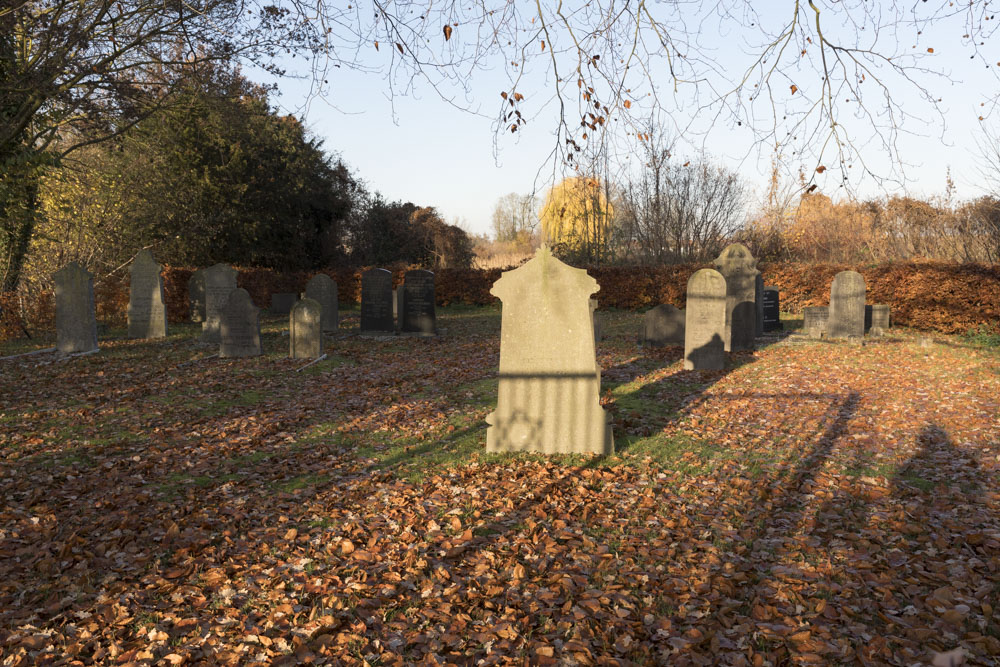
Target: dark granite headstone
(323, 289)
(239, 326)
(663, 325)
(418, 303)
(376, 302)
(282, 303)
(147, 312)
(76, 316)
(758, 299)
(771, 309)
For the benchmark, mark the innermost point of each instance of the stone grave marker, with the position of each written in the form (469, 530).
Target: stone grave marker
(417, 303)
(322, 288)
(549, 393)
(376, 302)
(147, 312)
(663, 325)
(771, 309)
(220, 280)
(76, 317)
(879, 319)
(814, 320)
(282, 303)
(739, 268)
(598, 321)
(239, 326)
(196, 295)
(705, 321)
(847, 306)
(305, 330)
(758, 299)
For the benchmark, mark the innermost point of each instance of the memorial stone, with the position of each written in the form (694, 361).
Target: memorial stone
(598, 323)
(305, 330)
(880, 319)
(76, 318)
(758, 298)
(219, 280)
(417, 304)
(847, 306)
(282, 303)
(196, 295)
(771, 309)
(814, 320)
(239, 326)
(549, 392)
(738, 267)
(705, 321)
(147, 312)
(376, 302)
(663, 325)
(323, 289)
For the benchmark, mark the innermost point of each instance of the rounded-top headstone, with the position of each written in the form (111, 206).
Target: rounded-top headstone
(739, 269)
(239, 326)
(147, 311)
(705, 321)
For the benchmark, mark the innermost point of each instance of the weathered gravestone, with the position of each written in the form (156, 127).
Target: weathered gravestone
(705, 321)
(771, 309)
(282, 303)
(549, 394)
(758, 299)
(417, 305)
(147, 312)
(663, 325)
(878, 320)
(323, 289)
(76, 318)
(376, 302)
(397, 305)
(239, 326)
(738, 267)
(598, 321)
(847, 306)
(196, 295)
(219, 280)
(814, 320)
(305, 330)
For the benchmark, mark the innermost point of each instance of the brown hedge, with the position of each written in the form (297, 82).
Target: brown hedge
(949, 298)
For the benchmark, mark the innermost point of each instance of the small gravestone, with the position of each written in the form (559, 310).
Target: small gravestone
(814, 320)
(305, 330)
(417, 304)
(758, 297)
(239, 326)
(739, 268)
(598, 325)
(548, 398)
(282, 303)
(220, 281)
(705, 321)
(847, 306)
(879, 319)
(323, 289)
(147, 313)
(196, 295)
(376, 302)
(663, 325)
(771, 309)
(76, 318)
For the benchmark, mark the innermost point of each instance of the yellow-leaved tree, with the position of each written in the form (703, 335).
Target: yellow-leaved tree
(577, 219)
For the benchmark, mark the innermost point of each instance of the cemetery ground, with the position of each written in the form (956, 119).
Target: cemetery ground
(816, 503)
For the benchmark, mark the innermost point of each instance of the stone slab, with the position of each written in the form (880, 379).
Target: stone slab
(814, 320)
(771, 309)
(323, 288)
(305, 330)
(239, 326)
(705, 321)
(418, 303)
(147, 310)
(739, 268)
(663, 325)
(76, 316)
(196, 295)
(220, 281)
(847, 306)
(376, 302)
(282, 303)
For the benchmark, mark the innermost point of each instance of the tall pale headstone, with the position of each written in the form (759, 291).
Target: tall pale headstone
(847, 306)
(305, 330)
(219, 280)
(196, 295)
(417, 307)
(376, 302)
(147, 312)
(323, 289)
(663, 325)
(549, 395)
(739, 269)
(239, 326)
(705, 321)
(76, 316)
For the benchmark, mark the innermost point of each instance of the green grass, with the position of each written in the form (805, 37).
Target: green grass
(986, 335)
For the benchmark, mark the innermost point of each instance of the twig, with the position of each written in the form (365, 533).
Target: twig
(25, 354)
(314, 361)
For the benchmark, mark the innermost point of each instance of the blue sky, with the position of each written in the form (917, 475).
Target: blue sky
(421, 149)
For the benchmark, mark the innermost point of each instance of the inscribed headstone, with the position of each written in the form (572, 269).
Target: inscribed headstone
(705, 321)
(847, 305)
(322, 288)
(305, 330)
(196, 295)
(76, 318)
(663, 325)
(417, 305)
(219, 280)
(771, 309)
(147, 312)
(880, 317)
(738, 267)
(549, 394)
(239, 326)
(282, 302)
(376, 302)
(758, 297)
(814, 320)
